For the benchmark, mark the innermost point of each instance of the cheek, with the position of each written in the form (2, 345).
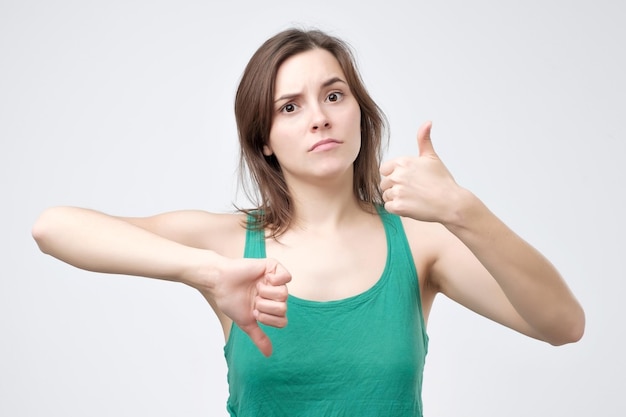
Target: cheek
(281, 138)
(275, 135)
(356, 124)
(354, 114)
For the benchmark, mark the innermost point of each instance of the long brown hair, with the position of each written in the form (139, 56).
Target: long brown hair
(254, 110)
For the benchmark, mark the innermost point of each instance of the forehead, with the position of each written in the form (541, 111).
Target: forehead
(307, 69)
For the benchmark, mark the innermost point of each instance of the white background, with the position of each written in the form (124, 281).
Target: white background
(126, 107)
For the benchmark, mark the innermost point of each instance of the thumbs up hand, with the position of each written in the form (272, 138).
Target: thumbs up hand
(420, 187)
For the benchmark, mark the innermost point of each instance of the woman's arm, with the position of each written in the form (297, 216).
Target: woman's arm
(97, 242)
(245, 290)
(480, 262)
(485, 266)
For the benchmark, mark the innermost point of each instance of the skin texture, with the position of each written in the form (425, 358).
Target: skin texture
(301, 120)
(334, 248)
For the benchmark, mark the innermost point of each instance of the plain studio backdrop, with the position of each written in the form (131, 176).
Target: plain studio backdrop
(127, 107)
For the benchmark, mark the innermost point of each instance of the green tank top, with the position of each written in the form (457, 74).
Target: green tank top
(359, 356)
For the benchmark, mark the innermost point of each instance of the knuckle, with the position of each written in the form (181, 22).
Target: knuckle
(282, 309)
(284, 293)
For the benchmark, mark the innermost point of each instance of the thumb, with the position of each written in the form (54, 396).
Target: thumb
(277, 275)
(424, 143)
(259, 338)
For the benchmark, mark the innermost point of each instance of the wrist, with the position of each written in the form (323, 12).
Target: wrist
(465, 210)
(200, 270)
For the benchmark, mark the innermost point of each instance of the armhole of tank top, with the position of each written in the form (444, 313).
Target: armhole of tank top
(395, 221)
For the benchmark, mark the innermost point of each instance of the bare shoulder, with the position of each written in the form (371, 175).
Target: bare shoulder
(428, 237)
(427, 241)
(223, 233)
(439, 255)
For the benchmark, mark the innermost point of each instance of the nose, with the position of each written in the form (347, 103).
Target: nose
(319, 120)
(316, 126)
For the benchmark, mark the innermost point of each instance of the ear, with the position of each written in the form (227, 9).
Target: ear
(267, 151)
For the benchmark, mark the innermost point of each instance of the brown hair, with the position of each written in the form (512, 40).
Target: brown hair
(254, 109)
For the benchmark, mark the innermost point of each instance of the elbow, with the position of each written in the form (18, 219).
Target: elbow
(42, 229)
(38, 231)
(572, 331)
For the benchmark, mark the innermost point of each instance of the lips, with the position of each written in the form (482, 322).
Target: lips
(323, 142)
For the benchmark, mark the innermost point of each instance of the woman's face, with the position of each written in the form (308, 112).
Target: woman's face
(315, 132)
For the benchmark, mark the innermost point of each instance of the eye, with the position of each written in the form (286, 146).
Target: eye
(288, 108)
(334, 96)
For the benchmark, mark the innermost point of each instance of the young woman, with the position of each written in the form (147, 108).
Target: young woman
(353, 261)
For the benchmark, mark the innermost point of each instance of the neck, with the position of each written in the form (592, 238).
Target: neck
(326, 206)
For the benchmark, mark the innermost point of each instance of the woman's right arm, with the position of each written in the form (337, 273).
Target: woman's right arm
(98, 242)
(170, 247)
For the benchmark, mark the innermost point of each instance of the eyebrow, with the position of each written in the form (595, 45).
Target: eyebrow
(325, 84)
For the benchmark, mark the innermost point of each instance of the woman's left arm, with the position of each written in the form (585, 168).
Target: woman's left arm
(481, 263)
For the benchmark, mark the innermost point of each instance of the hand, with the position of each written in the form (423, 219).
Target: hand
(250, 291)
(419, 187)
